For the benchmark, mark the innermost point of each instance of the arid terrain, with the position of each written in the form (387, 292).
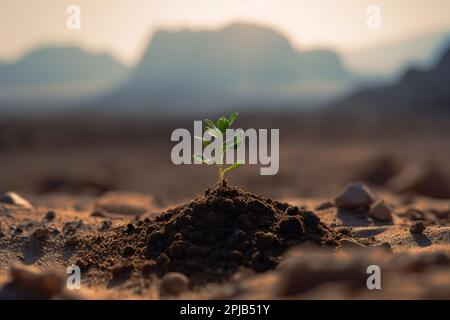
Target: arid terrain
(104, 195)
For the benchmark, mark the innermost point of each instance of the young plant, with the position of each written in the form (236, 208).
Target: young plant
(218, 130)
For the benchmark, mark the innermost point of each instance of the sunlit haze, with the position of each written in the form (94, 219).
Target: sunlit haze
(123, 28)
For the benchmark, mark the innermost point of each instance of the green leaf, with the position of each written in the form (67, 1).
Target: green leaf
(232, 167)
(204, 141)
(232, 118)
(214, 132)
(210, 123)
(201, 158)
(223, 124)
(234, 142)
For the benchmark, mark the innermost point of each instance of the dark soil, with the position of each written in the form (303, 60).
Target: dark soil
(207, 239)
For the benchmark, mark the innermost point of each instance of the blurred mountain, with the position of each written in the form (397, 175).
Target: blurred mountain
(390, 60)
(417, 91)
(52, 65)
(242, 64)
(50, 78)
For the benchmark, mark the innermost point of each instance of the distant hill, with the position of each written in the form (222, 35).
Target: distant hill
(241, 64)
(391, 60)
(53, 77)
(51, 65)
(417, 91)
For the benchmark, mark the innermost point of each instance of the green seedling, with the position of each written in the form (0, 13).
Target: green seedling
(219, 130)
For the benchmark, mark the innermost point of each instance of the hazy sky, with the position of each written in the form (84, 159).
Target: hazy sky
(123, 27)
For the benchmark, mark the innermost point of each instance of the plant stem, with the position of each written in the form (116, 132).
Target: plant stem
(220, 167)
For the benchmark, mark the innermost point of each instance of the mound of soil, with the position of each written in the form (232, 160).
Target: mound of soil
(207, 239)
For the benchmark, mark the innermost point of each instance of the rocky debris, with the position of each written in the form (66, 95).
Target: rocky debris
(427, 179)
(418, 227)
(125, 203)
(174, 283)
(381, 211)
(14, 199)
(355, 195)
(29, 283)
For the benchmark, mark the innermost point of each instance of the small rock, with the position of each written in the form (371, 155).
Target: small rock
(105, 225)
(128, 251)
(355, 195)
(50, 216)
(174, 283)
(381, 211)
(418, 227)
(14, 199)
(36, 284)
(41, 233)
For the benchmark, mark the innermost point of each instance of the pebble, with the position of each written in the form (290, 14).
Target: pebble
(418, 228)
(14, 199)
(41, 233)
(381, 211)
(50, 215)
(174, 283)
(44, 285)
(355, 195)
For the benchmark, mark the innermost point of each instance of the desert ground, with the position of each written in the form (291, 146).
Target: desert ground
(103, 195)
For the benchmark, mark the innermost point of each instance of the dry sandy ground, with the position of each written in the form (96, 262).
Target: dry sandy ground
(67, 165)
(317, 156)
(415, 266)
